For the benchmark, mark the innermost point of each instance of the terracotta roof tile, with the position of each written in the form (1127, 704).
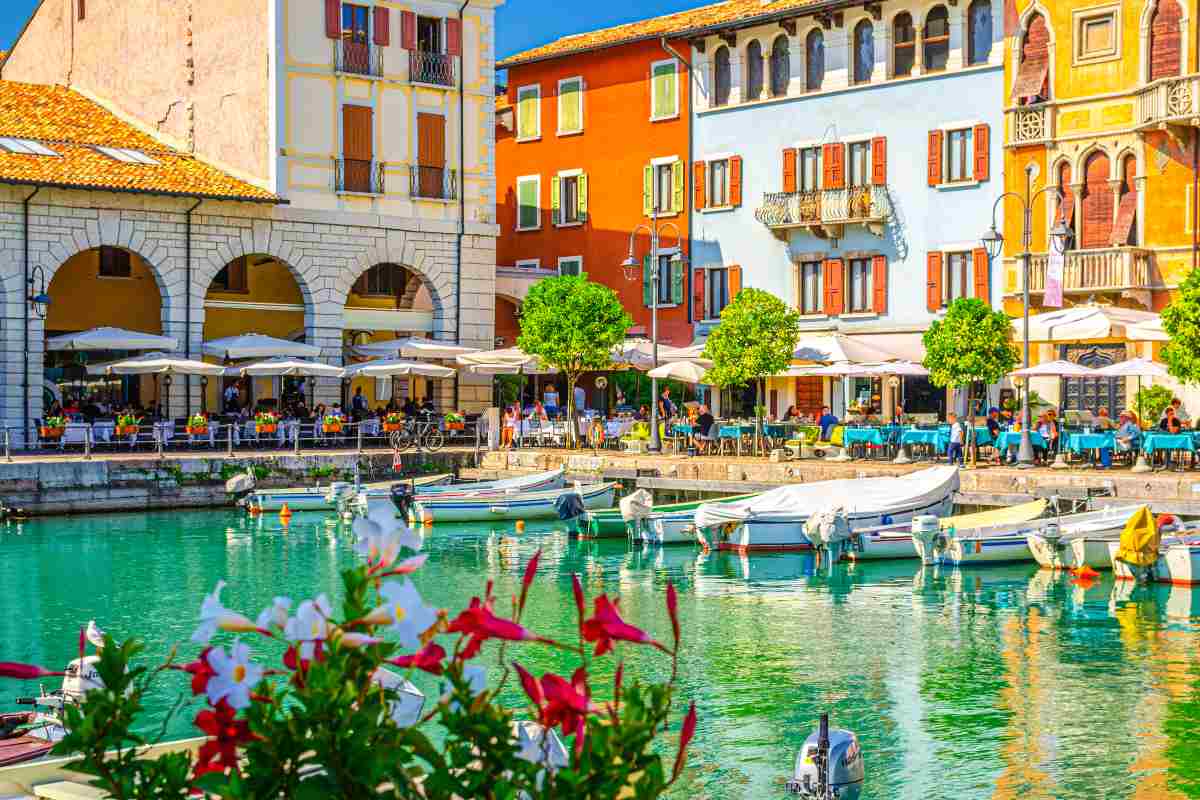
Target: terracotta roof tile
(727, 11)
(71, 125)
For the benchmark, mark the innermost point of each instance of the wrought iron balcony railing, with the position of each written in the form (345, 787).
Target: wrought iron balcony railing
(433, 183)
(359, 58)
(360, 176)
(866, 205)
(436, 69)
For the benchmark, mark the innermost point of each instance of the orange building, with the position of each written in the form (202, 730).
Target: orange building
(588, 143)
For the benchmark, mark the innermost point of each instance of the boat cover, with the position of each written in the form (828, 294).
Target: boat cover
(1139, 540)
(996, 516)
(854, 495)
(518, 483)
(638, 505)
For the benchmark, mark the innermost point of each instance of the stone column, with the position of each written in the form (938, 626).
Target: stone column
(958, 36)
(325, 331)
(796, 73)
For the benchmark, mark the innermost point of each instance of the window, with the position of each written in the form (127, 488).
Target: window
(717, 290)
(529, 213)
(956, 278)
(114, 263)
(958, 155)
(233, 277)
(781, 67)
(569, 199)
(937, 39)
(529, 112)
(382, 280)
(570, 106)
(664, 83)
(864, 51)
(126, 155)
(1098, 201)
(904, 45)
(1125, 232)
(722, 78)
(812, 288)
(25, 147)
(429, 34)
(528, 263)
(358, 151)
(754, 71)
(810, 169)
(670, 281)
(858, 281)
(979, 32)
(664, 185)
(354, 23)
(1033, 77)
(814, 56)
(1097, 34)
(718, 183)
(1165, 43)
(860, 163)
(570, 265)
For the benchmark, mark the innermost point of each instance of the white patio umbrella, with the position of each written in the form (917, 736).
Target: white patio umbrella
(1133, 368)
(396, 367)
(101, 368)
(693, 352)
(686, 371)
(508, 357)
(837, 347)
(900, 368)
(291, 367)
(1055, 369)
(1084, 323)
(410, 347)
(257, 345)
(1151, 331)
(111, 339)
(164, 365)
(636, 353)
(842, 369)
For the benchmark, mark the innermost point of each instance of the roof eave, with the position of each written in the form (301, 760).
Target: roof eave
(155, 192)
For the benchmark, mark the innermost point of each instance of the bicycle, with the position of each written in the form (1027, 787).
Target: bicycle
(424, 434)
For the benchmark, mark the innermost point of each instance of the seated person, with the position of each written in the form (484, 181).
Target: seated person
(993, 422)
(704, 429)
(1129, 435)
(1103, 421)
(1170, 423)
(827, 422)
(793, 413)
(538, 412)
(643, 413)
(1046, 429)
(550, 399)
(409, 408)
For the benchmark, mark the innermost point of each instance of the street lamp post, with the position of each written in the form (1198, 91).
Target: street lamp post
(629, 266)
(993, 241)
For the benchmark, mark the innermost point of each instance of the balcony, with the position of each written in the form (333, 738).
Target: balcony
(434, 69)
(825, 213)
(359, 58)
(1169, 101)
(433, 183)
(1124, 270)
(358, 176)
(1031, 124)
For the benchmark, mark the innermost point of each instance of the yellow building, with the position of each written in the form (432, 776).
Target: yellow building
(1102, 106)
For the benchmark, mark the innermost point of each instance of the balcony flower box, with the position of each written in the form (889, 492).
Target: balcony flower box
(51, 433)
(127, 430)
(266, 427)
(197, 430)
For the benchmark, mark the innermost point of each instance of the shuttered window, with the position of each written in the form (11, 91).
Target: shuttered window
(570, 265)
(957, 278)
(810, 169)
(232, 277)
(1098, 202)
(670, 281)
(570, 105)
(718, 291)
(718, 183)
(529, 216)
(664, 90)
(568, 199)
(529, 112)
(357, 141)
(860, 297)
(860, 163)
(812, 289)
(115, 263)
(959, 155)
(1165, 44)
(1032, 83)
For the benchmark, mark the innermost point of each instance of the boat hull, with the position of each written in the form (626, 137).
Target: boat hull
(541, 505)
(1082, 542)
(999, 549)
(670, 529)
(1178, 563)
(318, 499)
(885, 546)
(368, 501)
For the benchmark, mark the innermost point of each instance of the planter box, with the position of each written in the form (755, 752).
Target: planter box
(392, 427)
(266, 428)
(51, 433)
(335, 428)
(456, 426)
(198, 430)
(126, 430)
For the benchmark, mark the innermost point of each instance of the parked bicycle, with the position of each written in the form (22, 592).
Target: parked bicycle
(424, 434)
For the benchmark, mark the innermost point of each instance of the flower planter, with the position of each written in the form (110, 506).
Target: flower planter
(126, 430)
(392, 427)
(272, 428)
(198, 430)
(52, 433)
(334, 428)
(456, 426)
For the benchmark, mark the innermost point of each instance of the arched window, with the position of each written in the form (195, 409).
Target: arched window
(904, 45)
(382, 280)
(1097, 211)
(1033, 76)
(781, 67)
(1165, 42)
(864, 51)
(754, 71)
(979, 32)
(1067, 203)
(936, 38)
(814, 56)
(721, 76)
(1126, 229)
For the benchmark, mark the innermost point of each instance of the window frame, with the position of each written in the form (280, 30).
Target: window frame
(928, 41)
(711, 315)
(440, 24)
(819, 36)
(868, 294)
(818, 307)
(527, 263)
(537, 89)
(862, 146)
(563, 220)
(1079, 18)
(561, 131)
(353, 9)
(786, 57)
(968, 155)
(658, 168)
(762, 77)
(568, 260)
(537, 181)
(910, 45)
(855, 80)
(113, 256)
(712, 165)
(717, 102)
(967, 275)
(973, 59)
(801, 183)
(674, 64)
(665, 281)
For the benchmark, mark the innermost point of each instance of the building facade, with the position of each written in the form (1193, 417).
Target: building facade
(366, 128)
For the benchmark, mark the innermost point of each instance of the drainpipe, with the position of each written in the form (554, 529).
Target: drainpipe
(25, 380)
(689, 292)
(462, 193)
(187, 335)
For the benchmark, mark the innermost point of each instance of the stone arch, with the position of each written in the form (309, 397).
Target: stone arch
(398, 249)
(1035, 11)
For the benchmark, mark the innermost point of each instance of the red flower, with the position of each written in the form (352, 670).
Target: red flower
(478, 622)
(429, 658)
(200, 672)
(530, 571)
(531, 686)
(25, 672)
(577, 590)
(559, 702)
(673, 611)
(606, 626)
(685, 737)
(226, 733)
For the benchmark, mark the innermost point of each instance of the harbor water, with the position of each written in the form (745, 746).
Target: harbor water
(1000, 682)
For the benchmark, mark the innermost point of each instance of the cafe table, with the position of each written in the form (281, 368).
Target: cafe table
(735, 432)
(1079, 443)
(1168, 443)
(862, 437)
(1008, 439)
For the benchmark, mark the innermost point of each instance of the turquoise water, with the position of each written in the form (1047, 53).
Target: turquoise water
(993, 683)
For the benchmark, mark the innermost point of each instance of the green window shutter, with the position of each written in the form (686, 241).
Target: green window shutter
(582, 191)
(555, 201)
(647, 283)
(677, 182)
(648, 190)
(570, 107)
(527, 201)
(677, 281)
(527, 108)
(663, 91)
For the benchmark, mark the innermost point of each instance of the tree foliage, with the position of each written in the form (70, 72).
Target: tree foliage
(1181, 321)
(756, 339)
(971, 343)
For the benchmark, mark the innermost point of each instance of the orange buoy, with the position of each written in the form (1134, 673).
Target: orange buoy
(1085, 572)
(285, 514)
(520, 525)
(427, 520)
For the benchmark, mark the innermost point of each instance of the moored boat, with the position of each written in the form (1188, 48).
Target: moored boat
(1081, 543)
(534, 482)
(1144, 553)
(322, 498)
(896, 541)
(511, 505)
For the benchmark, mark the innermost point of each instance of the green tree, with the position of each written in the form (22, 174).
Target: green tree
(755, 340)
(971, 343)
(572, 324)
(1181, 321)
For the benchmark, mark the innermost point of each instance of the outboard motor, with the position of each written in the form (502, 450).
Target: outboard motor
(927, 537)
(569, 506)
(403, 498)
(829, 766)
(240, 485)
(827, 529)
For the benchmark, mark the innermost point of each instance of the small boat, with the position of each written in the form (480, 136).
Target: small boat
(538, 481)
(609, 523)
(896, 541)
(774, 520)
(1084, 543)
(1144, 553)
(510, 505)
(321, 498)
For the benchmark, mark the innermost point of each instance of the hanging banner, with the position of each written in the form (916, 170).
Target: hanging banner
(1054, 279)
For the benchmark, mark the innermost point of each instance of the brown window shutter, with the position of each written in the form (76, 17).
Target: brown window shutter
(879, 161)
(1165, 45)
(734, 279)
(1126, 212)
(333, 18)
(82, 9)
(431, 140)
(834, 159)
(237, 275)
(383, 34)
(789, 170)
(834, 275)
(983, 152)
(357, 141)
(933, 281)
(935, 158)
(408, 30)
(983, 283)
(879, 284)
(453, 37)
(699, 188)
(698, 310)
(735, 181)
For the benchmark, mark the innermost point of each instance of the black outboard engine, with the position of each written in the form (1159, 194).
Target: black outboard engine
(403, 498)
(569, 506)
(829, 766)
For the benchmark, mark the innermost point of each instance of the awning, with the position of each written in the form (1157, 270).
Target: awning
(412, 347)
(391, 368)
(1085, 323)
(256, 345)
(292, 367)
(111, 339)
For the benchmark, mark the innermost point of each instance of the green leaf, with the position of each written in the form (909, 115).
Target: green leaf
(971, 343)
(756, 339)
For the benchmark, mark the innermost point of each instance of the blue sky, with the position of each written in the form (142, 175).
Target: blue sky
(521, 23)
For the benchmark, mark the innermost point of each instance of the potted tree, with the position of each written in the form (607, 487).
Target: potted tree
(455, 421)
(393, 422)
(332, 423)
(128, 425)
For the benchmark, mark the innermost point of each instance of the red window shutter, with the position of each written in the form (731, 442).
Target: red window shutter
(1126, 212)
(734, 278)
(699, 192)
(698, 310)
(333, 18)
(935, 158)
(983, 283)
(735, 181)
(879, 283)
(933, 281)
(879, 161)
(834, 158)
(383, 35)
(453, 37)
(834, 274)
(82, 10)
(789, 170)
(983, 152)
(408, 30)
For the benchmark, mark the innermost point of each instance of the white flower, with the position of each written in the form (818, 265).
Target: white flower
(235, 676)
(214, 616)
(357, 640)
(310, 625)
(381, 535)
(409, 616)
(275, 614)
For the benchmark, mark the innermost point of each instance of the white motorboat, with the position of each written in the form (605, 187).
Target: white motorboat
(514, 504)
(364, 501)
(322, 498)
(896, 541)
(1082, 543)
(1144, 553)
(774, 520)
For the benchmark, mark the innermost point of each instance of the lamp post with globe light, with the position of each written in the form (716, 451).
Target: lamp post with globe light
(993, 241)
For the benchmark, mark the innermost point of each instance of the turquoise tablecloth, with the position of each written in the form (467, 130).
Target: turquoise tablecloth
(683, 429)
(1168, 441)
(1079, 442)
(1008, 439)
(920, 437)
(982, 437)
(735, 431)
(872, 436)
